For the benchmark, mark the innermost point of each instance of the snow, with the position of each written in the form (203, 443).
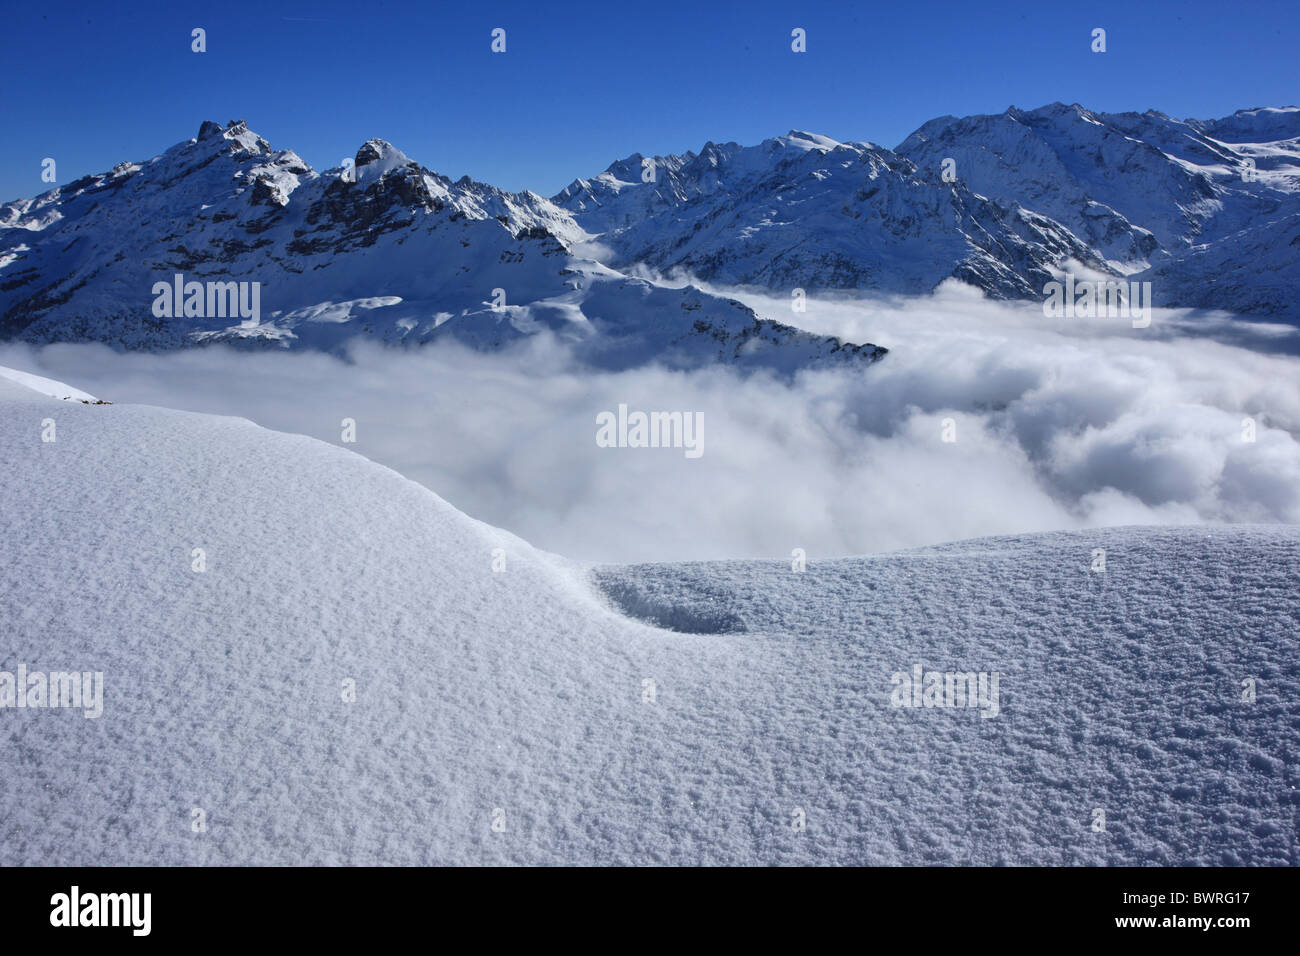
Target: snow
(524, 690)
(338, 312)
(46, 386)
(387, 157)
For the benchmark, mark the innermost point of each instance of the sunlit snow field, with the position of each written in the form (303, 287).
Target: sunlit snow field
(525, 697)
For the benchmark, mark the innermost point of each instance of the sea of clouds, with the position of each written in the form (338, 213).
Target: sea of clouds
(1059, 424)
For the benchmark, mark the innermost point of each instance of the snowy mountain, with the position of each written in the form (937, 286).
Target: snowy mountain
(1209, 207)
(308, 659)
(139, 257)
(1213, 207)
(1207, 211)
(803, 211)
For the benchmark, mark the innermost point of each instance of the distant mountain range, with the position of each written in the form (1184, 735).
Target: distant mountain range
(1208, 211)
(386, 249)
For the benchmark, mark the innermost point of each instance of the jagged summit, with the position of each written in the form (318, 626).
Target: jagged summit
(388, 250)
(377, 157)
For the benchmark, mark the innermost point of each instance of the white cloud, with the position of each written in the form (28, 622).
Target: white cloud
(1059, 424)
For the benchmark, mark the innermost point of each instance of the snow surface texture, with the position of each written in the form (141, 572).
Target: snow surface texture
(523, 690)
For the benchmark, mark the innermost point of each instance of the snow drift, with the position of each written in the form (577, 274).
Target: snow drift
(515, 716)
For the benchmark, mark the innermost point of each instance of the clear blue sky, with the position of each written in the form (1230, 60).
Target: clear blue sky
(582, 84)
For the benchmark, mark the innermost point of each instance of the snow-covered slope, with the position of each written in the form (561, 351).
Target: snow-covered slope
(525, 697)
(46, 386)
(401, 254)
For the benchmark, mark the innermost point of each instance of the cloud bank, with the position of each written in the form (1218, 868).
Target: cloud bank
(1056, 424)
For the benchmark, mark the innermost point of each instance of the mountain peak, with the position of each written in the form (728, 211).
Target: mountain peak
(377, 157)
(236, 131)
(802, 139)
